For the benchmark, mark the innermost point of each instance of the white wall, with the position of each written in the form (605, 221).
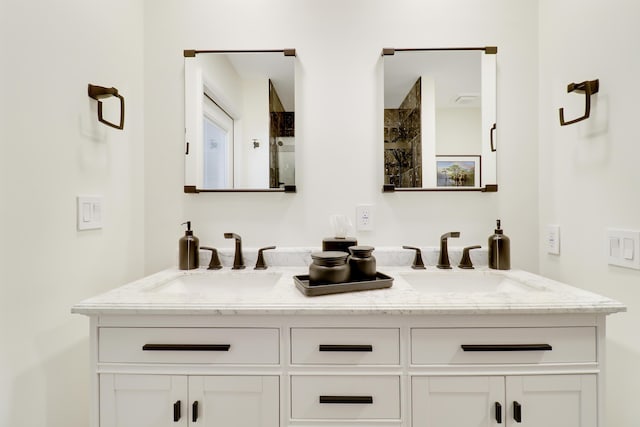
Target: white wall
(589, 171)
(456, 139)
(53, 148)
(255, 125)
(339, 109)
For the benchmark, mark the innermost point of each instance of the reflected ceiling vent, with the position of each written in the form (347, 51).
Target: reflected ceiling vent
(467, 99)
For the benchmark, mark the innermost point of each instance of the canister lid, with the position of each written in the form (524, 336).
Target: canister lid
(329, 258)
(361, 251)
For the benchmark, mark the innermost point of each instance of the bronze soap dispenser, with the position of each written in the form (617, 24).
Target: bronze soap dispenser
(188, 250)
(499, 250)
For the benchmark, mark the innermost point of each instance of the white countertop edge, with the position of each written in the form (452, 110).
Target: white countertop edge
(301, 311)
(400, 299)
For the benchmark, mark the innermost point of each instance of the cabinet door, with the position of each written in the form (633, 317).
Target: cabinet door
(552, 401)
(143, 400)
(234, 401)
(457, 401)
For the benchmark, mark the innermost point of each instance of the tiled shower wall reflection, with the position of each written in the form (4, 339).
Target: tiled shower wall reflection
(402, 141)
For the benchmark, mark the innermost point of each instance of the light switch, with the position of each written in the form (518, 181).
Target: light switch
(628, 248)
(89, 212)
(553, 239)
(86, 212)
(614, 247)
(623, 248)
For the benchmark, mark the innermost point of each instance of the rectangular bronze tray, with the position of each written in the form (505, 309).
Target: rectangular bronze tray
(302, 283)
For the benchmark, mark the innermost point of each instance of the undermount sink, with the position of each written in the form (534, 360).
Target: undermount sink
(220, 283)
(438, 282)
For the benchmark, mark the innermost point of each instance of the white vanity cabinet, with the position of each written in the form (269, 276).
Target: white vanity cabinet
(349, 370)
(386, 358)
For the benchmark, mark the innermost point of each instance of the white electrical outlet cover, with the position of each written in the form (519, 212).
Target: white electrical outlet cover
(364, 217)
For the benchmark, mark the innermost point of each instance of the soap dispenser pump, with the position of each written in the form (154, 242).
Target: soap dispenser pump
(188, 256)
(499, 250)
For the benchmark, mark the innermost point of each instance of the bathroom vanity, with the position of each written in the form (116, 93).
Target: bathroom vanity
(438, 348)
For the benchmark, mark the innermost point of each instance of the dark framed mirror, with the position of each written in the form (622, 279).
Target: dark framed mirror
(440, 119)
(239, 120)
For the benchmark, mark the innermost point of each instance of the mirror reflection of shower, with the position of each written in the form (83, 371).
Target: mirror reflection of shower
(440, 107)
(403, 141)
(281, 142)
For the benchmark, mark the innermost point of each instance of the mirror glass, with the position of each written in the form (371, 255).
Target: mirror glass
(239, 120)
(439, 119)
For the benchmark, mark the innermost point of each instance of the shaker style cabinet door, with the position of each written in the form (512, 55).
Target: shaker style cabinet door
(189, 401)
(457, 401)
(511, 401)
(143, 400)
(552, 401)
(234, 401)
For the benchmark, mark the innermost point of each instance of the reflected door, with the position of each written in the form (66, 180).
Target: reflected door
(218, 147)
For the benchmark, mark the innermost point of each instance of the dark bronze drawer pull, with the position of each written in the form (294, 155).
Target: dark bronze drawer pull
(498, 408)
(506, 347)
(176, 412)
(347, 399)
(343, 347)
(517, 412)
(186, 347)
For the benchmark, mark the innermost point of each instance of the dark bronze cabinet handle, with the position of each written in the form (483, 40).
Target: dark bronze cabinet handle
(345, 347)
(194, 411)
(506, 347)
(176, 412)
(517, 412)
(186, 347)
(347, 399)
(498, 408)
(491, 132)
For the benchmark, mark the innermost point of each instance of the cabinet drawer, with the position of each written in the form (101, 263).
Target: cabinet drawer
(345, 397)
(342, 346)
(502, 345)
(190, 345)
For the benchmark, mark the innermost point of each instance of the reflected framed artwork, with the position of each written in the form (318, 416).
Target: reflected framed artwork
(458, 172)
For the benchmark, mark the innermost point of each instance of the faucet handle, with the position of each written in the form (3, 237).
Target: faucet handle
(214, 264)
(465, 262)
(417, 261)
(260, 264)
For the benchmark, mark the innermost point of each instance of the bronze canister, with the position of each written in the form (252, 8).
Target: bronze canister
(361, 263)
(328, 267)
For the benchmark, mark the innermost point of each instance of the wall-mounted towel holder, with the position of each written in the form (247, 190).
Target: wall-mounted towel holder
(588, 87)
(99, 92)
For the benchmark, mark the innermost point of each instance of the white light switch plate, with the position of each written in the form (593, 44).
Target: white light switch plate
(623, 248)
(90, 212)
(553, 239)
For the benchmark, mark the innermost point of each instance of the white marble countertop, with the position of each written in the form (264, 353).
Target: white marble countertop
(145, 296)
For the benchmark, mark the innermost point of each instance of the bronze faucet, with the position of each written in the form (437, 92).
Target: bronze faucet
(238, 261)
(443, 259)
(214, 263)
(260, 263)
(465, 261)
(418, 264)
